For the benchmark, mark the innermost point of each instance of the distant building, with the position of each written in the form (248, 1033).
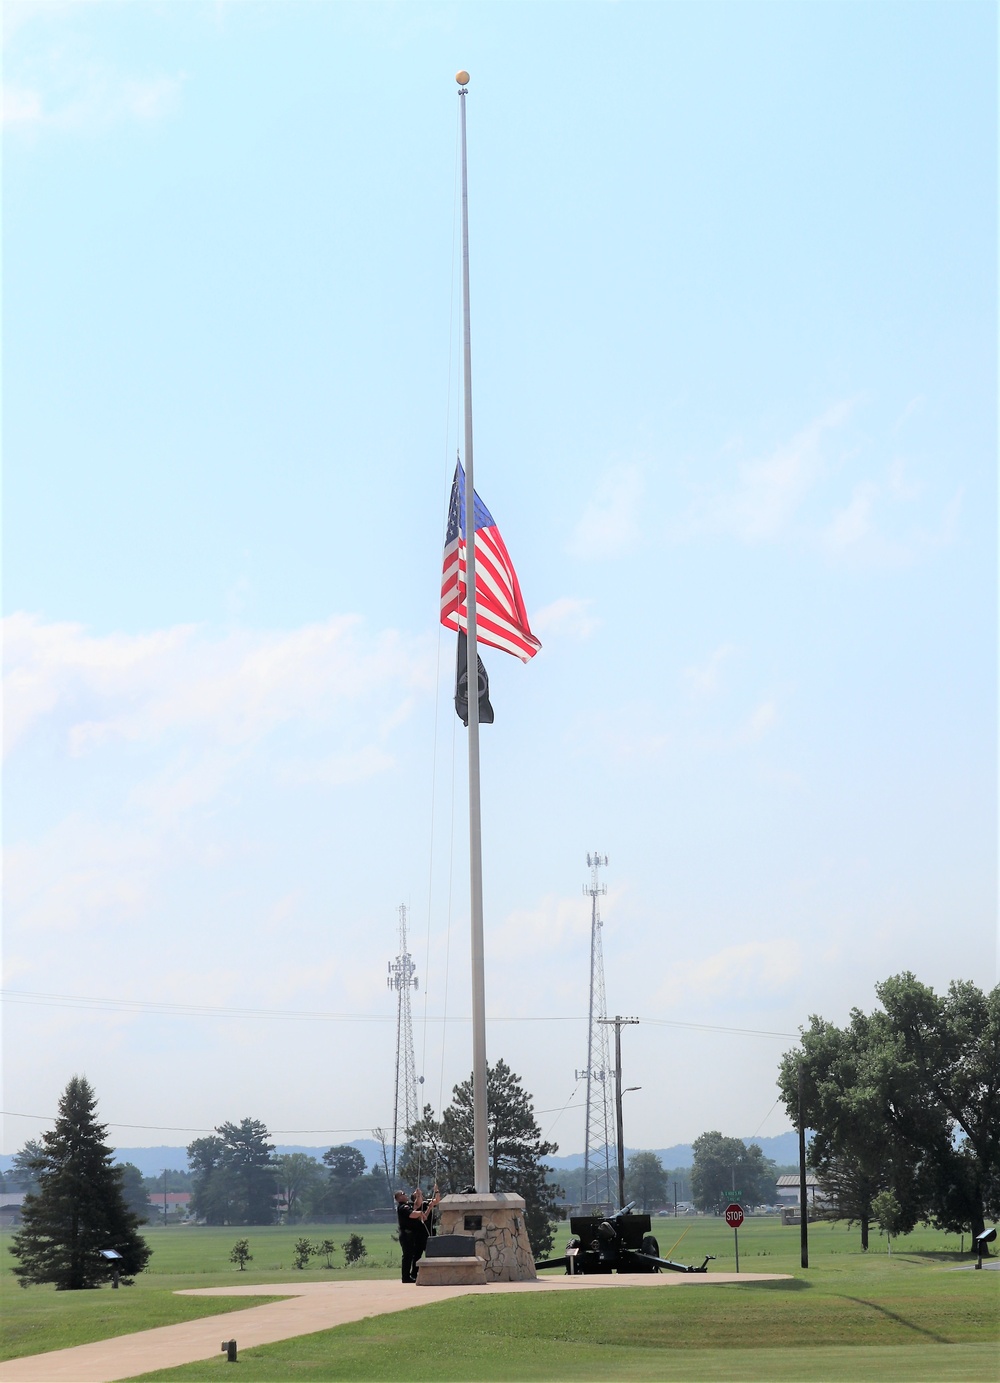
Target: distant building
(788, 1191)
(177, 1203)
(10, 1208)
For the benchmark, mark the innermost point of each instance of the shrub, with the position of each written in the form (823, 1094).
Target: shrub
(354, 1249)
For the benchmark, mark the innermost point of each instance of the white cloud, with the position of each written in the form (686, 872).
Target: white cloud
(21, 106)
(234, 688)
(744, 971)
(566, 617)
(337, 770)
(83, 873)
(702, 680)
(868, 531)
(803, 493)
(761, 719)
(54, 79)
(768, 493)
(853, 523)
(192, 711)
(97, 100)
(609, 526)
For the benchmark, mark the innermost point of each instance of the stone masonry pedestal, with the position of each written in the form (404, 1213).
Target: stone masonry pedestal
(496, 1223)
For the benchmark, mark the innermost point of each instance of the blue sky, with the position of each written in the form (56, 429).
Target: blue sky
(734, 348)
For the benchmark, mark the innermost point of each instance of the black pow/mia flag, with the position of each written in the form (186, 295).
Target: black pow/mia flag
(462, 685)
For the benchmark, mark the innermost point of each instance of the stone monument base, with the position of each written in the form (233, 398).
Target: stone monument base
(466, 1271)
(495, 1222)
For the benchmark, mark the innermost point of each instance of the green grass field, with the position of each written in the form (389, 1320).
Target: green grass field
(914, 1315)
(36, 1319)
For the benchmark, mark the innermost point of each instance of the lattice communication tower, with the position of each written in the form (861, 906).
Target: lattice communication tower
(403, 978)
(599, 1176)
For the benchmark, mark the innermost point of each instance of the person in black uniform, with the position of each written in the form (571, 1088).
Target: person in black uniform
(420, 1221)
(408, 1219)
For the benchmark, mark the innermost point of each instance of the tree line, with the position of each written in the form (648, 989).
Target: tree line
(237, 1179)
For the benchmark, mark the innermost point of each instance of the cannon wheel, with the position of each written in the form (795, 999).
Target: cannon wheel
(650, 1246)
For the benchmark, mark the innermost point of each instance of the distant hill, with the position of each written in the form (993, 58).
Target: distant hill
(782, 1149)
(151, 1161)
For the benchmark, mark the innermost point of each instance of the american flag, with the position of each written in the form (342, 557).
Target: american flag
(501, 619)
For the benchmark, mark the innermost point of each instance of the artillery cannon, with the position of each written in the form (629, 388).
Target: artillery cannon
(615, 1243)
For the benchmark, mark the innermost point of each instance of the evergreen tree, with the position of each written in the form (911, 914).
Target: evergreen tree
(79, 1208)
(443, 1151)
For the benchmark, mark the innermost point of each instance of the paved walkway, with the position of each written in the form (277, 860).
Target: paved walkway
(310, 1306)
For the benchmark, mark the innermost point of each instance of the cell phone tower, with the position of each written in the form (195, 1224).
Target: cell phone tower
(403, 978)
(598, 1173)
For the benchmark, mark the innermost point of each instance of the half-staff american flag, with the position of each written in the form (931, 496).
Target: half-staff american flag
(501, 619)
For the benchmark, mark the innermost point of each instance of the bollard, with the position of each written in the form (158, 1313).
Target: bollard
(229, 1350)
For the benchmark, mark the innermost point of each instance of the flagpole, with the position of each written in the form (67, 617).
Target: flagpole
(479, 1068)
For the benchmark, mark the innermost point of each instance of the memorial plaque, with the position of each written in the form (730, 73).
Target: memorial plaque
(450, 1246)
(473, 1222)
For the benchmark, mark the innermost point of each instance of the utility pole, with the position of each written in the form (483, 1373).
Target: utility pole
(803, 1203)
(618, 1021)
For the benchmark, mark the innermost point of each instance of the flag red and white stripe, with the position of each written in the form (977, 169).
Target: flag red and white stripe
(501, 619)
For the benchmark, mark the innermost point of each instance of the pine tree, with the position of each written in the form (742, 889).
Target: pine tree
(444, 1151)
(79, 1208)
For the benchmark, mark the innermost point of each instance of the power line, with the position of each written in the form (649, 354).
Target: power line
(183, 1128)
(716, 1027)
(189, 1010)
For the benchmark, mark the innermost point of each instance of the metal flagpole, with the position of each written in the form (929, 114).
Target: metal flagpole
(479, 1105)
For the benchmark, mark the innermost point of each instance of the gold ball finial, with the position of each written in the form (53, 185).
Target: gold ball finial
(462, 78)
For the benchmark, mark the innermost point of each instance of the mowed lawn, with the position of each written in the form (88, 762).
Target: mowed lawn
(918, 1314)
(36, 1319)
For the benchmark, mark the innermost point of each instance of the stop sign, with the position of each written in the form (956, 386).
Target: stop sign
(734, 1215)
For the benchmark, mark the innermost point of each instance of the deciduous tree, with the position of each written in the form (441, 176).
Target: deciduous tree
(722, 1164)
(347, 1189)
(22, 1176)
(235, 1175)
(134, 1191)
(645, 1180)
(949, 1047)
(846, 1077)
(907, 1100)
(79, 1209)
(298, 1177)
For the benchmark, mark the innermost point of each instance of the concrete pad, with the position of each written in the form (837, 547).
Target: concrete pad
(310, 1306)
